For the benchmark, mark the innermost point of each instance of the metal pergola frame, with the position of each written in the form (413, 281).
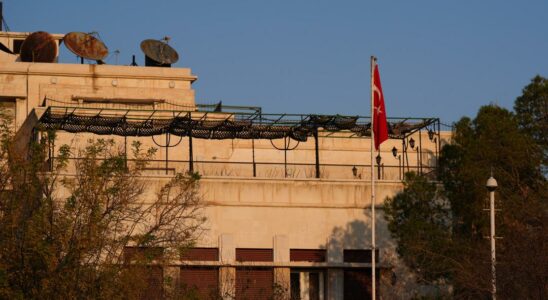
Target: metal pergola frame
(242, 123)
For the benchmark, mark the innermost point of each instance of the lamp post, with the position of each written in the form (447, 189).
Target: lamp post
(491, 187)
(395, 154)
(412, 144)
(378, 158)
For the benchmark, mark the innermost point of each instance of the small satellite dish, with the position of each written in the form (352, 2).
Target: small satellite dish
(158, 53)
(86, 46)
(39, 46)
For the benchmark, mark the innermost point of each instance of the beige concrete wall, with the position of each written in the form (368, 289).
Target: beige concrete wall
(331, 212)
(63, 84)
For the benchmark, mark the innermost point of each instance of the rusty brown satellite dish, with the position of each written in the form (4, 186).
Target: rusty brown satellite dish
(160, 52)
(85, 45)
(39, 46)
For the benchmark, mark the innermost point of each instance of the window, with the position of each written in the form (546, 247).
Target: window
(359, 256)
(309, 255)
(200, 282)
(254, 283)
(254, 254)
(148, 278)
(17, 46)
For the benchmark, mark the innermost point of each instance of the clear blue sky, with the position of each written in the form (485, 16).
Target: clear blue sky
(437, 58)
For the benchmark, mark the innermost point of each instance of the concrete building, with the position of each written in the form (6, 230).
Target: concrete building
(288, 210)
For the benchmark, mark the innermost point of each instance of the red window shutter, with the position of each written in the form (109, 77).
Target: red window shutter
(148, 281)
(201, 282)
(254, 283)
(254, 254)
(142, 254)
(311, 255)
(201, 254)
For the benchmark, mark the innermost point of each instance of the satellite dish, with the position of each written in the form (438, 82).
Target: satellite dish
(39, 46)
(86, 46)
(158, 53)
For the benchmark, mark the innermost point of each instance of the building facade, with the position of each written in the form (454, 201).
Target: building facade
(287, 196)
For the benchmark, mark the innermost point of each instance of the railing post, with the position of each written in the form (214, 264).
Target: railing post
(419, 152)
(125, 151)
(167, 151)
(400, 166)
(253, 154)
(190, 154)
(317, 152)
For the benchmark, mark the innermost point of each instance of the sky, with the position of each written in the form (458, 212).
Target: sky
(436, 58)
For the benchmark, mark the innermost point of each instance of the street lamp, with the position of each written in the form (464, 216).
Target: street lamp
(431, 134)
(491, 187)
(412, 143)
(378, 158)
(395, 154)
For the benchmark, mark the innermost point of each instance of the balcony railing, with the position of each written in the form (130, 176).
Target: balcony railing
(274, 170)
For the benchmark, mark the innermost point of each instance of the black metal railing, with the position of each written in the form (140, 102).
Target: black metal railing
(265, 170)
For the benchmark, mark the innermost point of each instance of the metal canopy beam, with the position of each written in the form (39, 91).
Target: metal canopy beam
(219, 125)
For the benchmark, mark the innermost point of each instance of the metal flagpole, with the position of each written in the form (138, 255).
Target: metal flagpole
(373, 244)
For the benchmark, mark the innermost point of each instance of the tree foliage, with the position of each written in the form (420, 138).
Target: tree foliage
(494, 141)
(532, 112)
(65, 225)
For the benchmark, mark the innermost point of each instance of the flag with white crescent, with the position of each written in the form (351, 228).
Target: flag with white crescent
(380, 127)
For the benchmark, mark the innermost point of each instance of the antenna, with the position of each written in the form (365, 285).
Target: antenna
(116, 53)
(159, 53)
(85, 45)
(39, 46)
(133, 62)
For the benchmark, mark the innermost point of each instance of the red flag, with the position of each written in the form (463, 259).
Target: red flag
(380, 128)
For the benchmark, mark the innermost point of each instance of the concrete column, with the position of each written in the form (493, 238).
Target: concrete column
(227, 275)
(171, 281)
(335, 277)
(20, 112)
(282, 276)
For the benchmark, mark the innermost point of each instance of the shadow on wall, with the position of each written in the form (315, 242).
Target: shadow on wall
(395, 280)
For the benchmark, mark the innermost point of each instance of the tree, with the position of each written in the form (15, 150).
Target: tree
(459, 253)
(66, 234)
(532, 112)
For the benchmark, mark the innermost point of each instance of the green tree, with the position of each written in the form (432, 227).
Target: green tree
(532, 112)
(459, 253)
(66, 225)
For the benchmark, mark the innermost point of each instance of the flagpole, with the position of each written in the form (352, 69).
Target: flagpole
(373, 243)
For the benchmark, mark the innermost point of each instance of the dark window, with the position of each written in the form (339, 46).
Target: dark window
(17, 46)
(314, 286)
(359, 256)
(253, 254)
(357, 284)
(201, 254)
(295, 285)
(311, 255)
